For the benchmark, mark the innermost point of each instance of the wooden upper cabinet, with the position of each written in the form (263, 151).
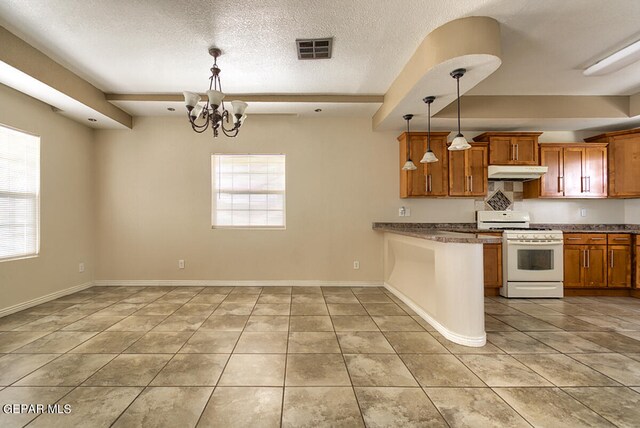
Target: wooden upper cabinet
(623, 162)
(437, 173)
(427, 179)
(468, 171)
(551, 184)
(511, 148)
(575, 170)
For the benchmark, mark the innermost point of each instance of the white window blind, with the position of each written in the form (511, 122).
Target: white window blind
(248, 191)
(19, 194)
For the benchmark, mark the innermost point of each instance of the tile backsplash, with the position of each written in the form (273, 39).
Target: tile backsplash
(501, 196)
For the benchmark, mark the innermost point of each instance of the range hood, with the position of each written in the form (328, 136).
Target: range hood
(516, 172)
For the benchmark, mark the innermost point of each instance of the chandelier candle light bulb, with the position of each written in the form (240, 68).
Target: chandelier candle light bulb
(213, 113)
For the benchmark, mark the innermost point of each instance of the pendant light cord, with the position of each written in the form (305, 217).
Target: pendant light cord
(458, 84)
(408, 142)
(429, 127)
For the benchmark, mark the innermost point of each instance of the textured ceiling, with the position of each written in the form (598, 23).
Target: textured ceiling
(161, 45)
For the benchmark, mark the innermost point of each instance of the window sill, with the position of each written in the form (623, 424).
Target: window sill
(13, 259)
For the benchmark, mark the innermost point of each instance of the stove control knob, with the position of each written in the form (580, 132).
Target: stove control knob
(549, 236)
(521, 236)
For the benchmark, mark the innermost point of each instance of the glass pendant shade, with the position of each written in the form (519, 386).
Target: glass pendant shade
(191, 99)
(409, 166)
(238, 108)
(459, 143)
(215, 97)
(429, 157)
(241, 120)
(195, 112)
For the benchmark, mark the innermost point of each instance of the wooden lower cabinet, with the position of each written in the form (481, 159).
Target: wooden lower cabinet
(595, 272)
(619, 266)
(637, 262)
(492, 258)
(597, 260)
(573, 265)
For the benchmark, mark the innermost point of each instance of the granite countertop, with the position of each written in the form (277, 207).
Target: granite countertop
(436, 234)
(633, 229)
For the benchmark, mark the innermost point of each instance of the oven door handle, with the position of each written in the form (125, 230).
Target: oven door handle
(536, 244)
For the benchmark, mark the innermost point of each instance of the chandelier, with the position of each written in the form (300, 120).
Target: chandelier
(213, 113)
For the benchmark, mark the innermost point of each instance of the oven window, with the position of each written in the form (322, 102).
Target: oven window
(535, 259)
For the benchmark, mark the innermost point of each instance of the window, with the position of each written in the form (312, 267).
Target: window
(248, 191)
(19, 194)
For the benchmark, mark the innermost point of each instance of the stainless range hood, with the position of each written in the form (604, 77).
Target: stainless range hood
(516, 172)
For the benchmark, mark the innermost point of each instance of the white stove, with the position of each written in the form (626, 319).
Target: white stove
(532, 259)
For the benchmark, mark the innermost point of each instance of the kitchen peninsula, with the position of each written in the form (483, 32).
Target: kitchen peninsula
(439, 274)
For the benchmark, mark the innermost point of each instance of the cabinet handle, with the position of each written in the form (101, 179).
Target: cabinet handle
(588, 259)
(517, 152)
(428, 182)
(611, 258)
(597, 239)
(589, 184)
(471, 183)
(584, 258)
(582, 186)
(560, 184)
(510, 151)
(621, 239)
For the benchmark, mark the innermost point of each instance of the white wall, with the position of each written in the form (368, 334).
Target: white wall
(66, 204)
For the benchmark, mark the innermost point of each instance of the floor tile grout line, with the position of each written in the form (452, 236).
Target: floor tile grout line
(346, 367)
(589, 407)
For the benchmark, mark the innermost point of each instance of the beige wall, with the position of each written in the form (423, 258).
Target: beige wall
(154, 193)
(66, 203)
(153, 202)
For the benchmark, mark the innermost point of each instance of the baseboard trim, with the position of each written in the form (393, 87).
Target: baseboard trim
(475, 342)
(233, 283)
(43, 299)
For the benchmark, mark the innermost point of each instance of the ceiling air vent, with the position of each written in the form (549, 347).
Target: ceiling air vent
(314, 48)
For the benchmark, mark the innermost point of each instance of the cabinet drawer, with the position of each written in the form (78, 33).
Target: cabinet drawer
(585, 238)
(619, 239)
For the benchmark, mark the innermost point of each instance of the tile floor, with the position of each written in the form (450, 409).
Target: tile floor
(311, 357)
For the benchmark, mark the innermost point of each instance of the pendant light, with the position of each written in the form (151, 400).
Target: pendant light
(408, 165)
(429, 156)
(459, 142)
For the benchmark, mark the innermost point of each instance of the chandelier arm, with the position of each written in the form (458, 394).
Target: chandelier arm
(195, 125)
(225, 115)
(230, 133)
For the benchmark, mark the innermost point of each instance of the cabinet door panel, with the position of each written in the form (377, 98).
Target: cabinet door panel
(624, 176)
(492, 265)
(573, 265)
(595, 171)
(526, 150)
(501, 151)
(596, 270)
(551, 184)
(619, 266)
(437, 180)
(458, 181)
(573, 171)
(477, 167)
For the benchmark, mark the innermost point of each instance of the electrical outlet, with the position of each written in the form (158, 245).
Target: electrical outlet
(180, 264)
(583, 212)
(81, 267)
(404, 212)
(356, 264)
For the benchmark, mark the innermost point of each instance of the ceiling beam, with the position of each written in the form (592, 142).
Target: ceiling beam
(23, 57)
(540, 107)
(258, 98)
